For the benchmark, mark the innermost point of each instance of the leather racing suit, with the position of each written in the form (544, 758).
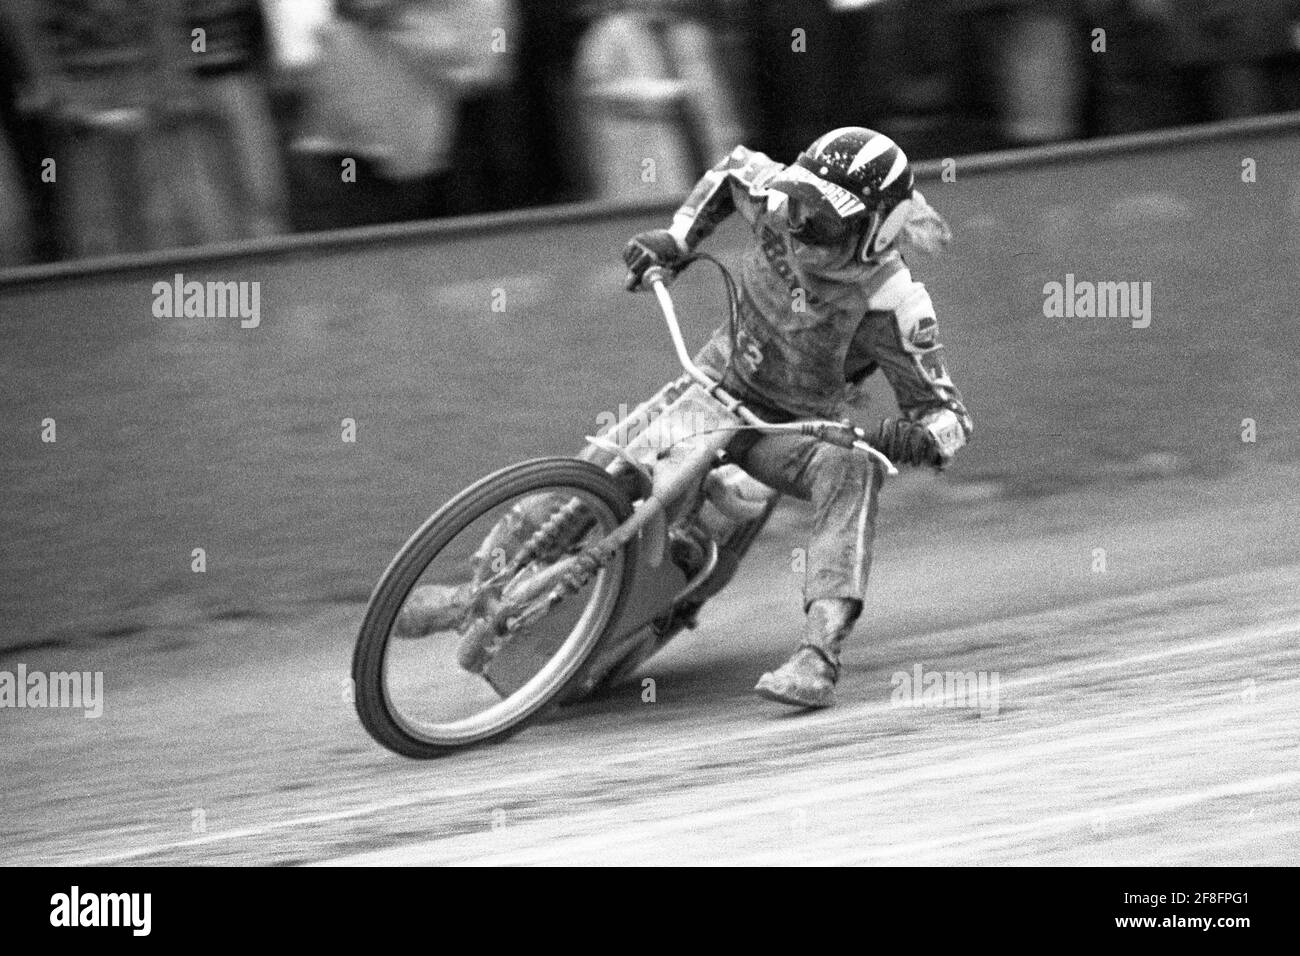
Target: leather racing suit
(814, 320)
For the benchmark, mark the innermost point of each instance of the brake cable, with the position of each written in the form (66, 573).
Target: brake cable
(733, 301)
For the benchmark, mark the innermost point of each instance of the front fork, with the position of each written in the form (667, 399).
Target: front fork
(677, 477)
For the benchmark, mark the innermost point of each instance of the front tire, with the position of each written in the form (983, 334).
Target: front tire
(610, 503)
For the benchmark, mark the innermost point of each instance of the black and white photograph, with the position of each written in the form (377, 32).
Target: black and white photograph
(673, 433)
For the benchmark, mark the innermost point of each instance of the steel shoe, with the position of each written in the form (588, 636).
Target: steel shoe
(806, 680)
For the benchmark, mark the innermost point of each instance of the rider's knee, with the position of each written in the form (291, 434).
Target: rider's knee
(835, 471)
(836, 464)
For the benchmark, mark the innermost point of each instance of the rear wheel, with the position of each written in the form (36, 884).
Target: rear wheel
(454, 649)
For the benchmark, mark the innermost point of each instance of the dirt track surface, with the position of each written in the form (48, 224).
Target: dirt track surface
(1146, 714)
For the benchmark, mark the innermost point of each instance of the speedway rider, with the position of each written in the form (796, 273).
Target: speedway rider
(826, 299)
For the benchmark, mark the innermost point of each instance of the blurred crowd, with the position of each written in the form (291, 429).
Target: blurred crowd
(130, 125)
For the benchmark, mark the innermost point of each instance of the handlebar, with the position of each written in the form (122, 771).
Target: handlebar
(834, 433)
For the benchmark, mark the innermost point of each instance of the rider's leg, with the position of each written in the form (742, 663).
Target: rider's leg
(843, 486)
(808, 678)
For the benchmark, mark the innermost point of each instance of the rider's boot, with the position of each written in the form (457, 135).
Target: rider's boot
(808, 678)
(430, 608)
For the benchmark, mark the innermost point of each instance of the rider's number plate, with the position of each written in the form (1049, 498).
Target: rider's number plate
(674, 427)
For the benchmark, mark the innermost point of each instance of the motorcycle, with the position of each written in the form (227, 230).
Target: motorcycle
(551, 579)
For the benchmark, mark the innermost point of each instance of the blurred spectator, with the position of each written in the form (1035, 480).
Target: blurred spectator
(89, 71)
(15, 229)
(390, 91)
(1037, 63)
(654, 107)
(1221, 50)
(943, 75)
(232, 120)
(16, 238)
(910, 69)
(794, 74)
(158, 112)
(1173, 62)
(1017, 64)
(159, 137)
(546, 166)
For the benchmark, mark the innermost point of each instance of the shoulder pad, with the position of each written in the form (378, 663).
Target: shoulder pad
(752, 168)
(910, 303)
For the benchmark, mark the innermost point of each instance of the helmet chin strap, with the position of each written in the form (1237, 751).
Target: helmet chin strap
(866, 245)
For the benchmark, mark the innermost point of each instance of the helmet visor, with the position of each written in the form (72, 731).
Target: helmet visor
(820, 212)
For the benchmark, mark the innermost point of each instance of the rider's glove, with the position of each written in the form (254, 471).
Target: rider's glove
(931, 441)
(657, 247)
(905, 443)
(948, 429)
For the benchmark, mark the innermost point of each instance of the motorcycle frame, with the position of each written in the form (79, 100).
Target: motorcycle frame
(669, 481)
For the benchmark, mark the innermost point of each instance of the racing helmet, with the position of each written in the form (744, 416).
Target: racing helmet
(866, 180)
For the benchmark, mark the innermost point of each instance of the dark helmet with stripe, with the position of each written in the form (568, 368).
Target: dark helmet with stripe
(873, 181)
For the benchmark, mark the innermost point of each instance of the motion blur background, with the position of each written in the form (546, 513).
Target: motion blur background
(182, 122)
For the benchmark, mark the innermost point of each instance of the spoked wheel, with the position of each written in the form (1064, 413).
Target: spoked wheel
(485, 616)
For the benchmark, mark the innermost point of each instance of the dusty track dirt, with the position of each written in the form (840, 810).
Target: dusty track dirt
(1146, 714)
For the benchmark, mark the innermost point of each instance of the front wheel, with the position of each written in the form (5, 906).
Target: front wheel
(484, 616)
